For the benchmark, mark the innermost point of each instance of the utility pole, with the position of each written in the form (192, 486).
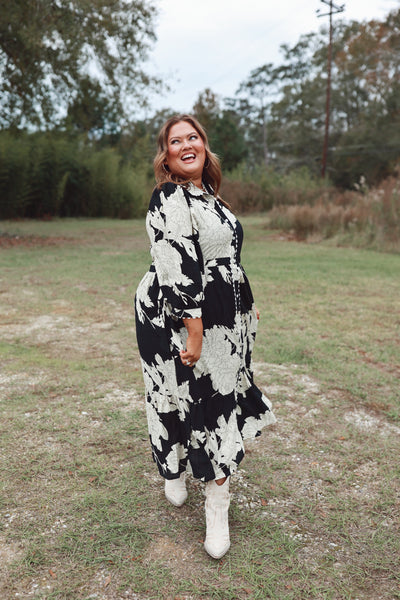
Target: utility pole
(333, 10)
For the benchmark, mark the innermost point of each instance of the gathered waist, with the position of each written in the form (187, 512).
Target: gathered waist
(234, 267)
(212, 262)
(215, 263)
(221, 260)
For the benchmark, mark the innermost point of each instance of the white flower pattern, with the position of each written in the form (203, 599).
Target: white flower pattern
(220, 359)
(197, 417)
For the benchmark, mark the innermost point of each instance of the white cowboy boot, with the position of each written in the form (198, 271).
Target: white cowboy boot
(175, 490)
(217, 504)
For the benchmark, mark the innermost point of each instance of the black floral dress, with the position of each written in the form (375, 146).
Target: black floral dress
(198, 416)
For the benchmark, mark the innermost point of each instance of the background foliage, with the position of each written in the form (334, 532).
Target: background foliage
(73, 142)
(54, 51)
(44, 176)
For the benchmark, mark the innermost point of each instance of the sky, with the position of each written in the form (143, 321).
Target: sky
(217, 43)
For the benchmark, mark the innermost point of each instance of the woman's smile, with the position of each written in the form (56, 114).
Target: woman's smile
(188, 157)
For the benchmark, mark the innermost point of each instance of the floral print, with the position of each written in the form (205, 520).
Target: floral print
(198, 416)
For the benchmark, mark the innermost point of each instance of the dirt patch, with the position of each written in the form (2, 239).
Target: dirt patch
(65, 333)
(12, 240)
(124, 400)
(176, 555)
(19, 382)
(369, 422)
(8, 551)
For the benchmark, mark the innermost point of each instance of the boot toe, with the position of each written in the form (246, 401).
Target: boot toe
(175, 490)
(216, 550)
(177, 499)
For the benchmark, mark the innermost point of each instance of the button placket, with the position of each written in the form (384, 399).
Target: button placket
(235, 270)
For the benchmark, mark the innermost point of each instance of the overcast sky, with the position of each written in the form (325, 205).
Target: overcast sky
(216, 43)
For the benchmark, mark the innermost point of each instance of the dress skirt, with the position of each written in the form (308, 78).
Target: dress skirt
(198, 416)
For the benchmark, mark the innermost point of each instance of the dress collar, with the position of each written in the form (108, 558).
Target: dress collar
(195, 191)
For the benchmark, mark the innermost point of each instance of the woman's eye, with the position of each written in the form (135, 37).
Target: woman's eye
(193, 137)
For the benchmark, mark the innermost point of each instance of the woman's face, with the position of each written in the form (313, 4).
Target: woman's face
(186, 153)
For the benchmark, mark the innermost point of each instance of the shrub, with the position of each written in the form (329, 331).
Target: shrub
(243, 197)
(370, 218)
(262, 189)
(44, 175)
(14, 176)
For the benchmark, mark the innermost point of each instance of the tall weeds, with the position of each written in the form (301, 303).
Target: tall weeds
(42, 176)
(366, 219)
(308, 208)
(262, 189)
(14, 178)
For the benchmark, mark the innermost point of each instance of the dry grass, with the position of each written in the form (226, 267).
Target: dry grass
(368, 218)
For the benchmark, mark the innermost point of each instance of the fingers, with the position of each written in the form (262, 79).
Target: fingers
(191, 354)
(187, 358)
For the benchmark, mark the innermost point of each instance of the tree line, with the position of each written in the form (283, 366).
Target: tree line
(277, 116)
(73, 80)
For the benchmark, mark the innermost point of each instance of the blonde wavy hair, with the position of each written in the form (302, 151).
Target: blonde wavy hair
(212, 174)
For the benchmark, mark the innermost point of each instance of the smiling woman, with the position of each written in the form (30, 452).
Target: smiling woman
(167, 164)
(196, 324)
(186, 152)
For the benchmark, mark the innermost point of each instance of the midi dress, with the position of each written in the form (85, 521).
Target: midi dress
(198, 416)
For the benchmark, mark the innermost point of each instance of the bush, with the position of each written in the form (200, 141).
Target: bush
(369, 218)
(14, 176)
(242, 197)
(262, 189)
(44, 175)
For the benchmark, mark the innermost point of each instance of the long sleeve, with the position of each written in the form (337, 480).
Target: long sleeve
(175, 251)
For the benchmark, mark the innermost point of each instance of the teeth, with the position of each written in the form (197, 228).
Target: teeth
(188, 156)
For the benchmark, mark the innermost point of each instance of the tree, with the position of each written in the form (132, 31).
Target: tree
(138, 141)
(367, 92)
(91, 113)
(49, 49)
(255, 95)
(207, 109)
(224, 134)
(284, 107)
(297, 115)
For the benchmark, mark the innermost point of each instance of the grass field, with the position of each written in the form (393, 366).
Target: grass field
(315, 508)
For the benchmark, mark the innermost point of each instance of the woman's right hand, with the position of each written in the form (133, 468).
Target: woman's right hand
(194, 342)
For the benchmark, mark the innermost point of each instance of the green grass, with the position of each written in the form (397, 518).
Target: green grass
(315, 512)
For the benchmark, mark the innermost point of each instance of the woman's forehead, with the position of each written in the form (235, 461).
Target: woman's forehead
(181, 128)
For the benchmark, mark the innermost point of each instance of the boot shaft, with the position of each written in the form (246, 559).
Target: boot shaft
(217, 540)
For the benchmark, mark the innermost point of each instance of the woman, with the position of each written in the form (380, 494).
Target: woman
(195, 325)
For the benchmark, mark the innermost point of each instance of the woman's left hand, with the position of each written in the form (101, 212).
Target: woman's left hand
(194, 342)
(257, 313)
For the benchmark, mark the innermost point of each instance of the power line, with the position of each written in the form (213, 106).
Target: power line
(333, 10)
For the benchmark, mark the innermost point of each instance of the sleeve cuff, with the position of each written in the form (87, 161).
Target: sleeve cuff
(192, 313)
